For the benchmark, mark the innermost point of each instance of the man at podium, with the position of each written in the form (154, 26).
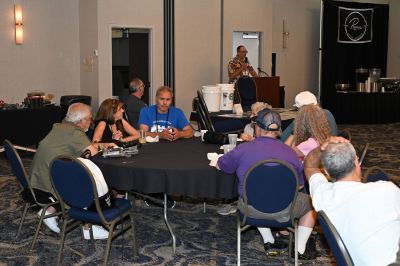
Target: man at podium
(239, 65)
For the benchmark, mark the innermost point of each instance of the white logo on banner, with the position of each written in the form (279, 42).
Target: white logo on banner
(355, 25)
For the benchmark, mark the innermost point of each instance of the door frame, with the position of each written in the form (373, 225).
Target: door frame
(151, 59)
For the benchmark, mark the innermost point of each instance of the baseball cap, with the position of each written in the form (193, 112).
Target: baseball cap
(304, 98)
(266, 119)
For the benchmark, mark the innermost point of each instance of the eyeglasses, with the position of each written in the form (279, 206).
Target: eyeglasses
(241, 51)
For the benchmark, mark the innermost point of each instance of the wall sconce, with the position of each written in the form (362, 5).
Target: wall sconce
(19, 31)
(285, 35)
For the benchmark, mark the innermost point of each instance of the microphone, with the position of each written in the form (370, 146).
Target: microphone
(261, 71)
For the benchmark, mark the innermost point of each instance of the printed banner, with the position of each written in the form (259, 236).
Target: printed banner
(355, 25)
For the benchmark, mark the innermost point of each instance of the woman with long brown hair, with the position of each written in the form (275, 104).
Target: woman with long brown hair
(311, 129)
(110, 123)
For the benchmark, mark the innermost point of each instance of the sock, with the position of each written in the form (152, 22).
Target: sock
(266, 234)
(302, 236)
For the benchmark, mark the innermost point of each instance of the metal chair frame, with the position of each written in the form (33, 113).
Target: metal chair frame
(335, 242)
(19, 169)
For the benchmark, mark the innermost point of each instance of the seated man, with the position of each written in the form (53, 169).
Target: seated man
(366, 215)
(66, 138)
(164, 120)
(134, 101)
(267, 146)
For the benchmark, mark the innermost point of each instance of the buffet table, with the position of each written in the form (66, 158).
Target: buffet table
(367, 108)
(28, 127)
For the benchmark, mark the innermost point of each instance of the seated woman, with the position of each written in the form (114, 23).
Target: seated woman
(110, 124)
(311, 129)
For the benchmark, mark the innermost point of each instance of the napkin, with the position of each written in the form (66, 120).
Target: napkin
(151, 139)
(213, 157)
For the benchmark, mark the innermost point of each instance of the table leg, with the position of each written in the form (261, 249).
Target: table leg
(168, 225)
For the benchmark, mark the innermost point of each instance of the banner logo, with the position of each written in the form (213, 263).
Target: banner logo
(355, 25)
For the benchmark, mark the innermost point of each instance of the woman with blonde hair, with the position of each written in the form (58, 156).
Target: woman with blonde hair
(311, 129)
(110, 124)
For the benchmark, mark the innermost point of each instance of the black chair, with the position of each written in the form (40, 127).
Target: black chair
(363, 153)
(375, 173)
(221, 126)
(28, 193)
(75, 187)
(334, 240)
(269, 186)
(247, 90)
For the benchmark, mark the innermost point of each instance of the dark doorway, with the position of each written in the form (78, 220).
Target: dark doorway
(130, 59)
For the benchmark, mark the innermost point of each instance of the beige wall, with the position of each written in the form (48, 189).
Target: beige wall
(48, 60)
(393, 63)
(132, 13)
(297, 65)
(88, 37)
(197, 46)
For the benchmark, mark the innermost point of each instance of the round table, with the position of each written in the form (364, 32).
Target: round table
(176, 168)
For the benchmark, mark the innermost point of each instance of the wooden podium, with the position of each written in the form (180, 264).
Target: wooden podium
(268, 90)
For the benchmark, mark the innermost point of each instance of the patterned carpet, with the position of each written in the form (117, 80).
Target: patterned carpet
(202, 238)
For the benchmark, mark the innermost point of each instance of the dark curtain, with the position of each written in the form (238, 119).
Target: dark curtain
(340, 60)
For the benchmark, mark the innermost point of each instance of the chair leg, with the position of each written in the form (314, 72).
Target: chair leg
(22, 219)
(108, 246)
(38, 228)
(133, 233)
(238, 239)
(63, 232)
(296, 246)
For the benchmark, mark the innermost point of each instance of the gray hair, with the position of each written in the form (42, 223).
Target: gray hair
(135, 85)
(338, 159)
(77, 112)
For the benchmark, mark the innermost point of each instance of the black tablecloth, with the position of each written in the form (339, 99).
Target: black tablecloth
(245, 118)
(27, 127)
(177, 168)
(367, 108)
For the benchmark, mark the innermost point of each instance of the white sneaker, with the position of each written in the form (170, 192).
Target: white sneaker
(51, 222)
(98, 232)
(227, 209)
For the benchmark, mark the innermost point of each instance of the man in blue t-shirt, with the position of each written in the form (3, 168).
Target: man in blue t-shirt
(164, 120)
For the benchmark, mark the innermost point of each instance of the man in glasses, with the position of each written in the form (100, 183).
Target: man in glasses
(240, 66)
(134, 101)
(67, 138)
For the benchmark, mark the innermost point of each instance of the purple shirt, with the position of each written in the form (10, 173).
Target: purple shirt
(245, 155)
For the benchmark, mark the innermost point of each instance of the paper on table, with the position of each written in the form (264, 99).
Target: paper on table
(151, 139)
(213, 157)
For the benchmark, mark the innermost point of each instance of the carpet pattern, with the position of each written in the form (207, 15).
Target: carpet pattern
(202, 238)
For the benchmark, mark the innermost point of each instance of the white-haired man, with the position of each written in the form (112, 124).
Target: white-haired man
(66, 138)
(366, 215)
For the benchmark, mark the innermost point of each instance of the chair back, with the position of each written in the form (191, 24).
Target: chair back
(270, 186)
(363, 153)
(334, 240)
(202, 111)
(16, 164)
(72, 182)
(375, 173)
(247, 90)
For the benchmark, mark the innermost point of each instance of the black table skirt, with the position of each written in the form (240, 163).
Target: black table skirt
(28, 127)
(177, 168)
(367, 108)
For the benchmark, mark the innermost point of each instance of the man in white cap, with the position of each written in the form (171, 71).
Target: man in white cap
(306, 98)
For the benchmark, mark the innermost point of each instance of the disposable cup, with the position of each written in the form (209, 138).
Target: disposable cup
(228, 148)
(232, 139)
